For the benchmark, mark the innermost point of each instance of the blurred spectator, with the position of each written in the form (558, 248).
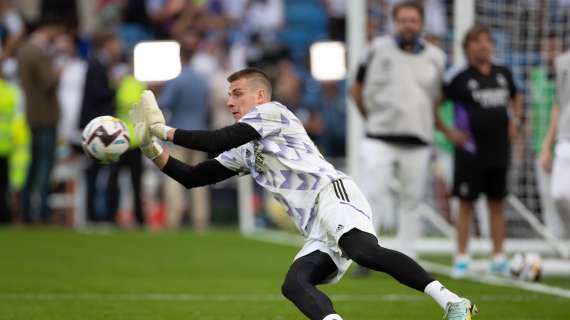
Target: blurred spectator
(336, 10)
(39, 79)
(99, 100)
(484, 95)
(162, 14)
(435, 25)
(206, 59)
(19, 159)
(185, 103)
(70, 90)
(306, 22)
(559, 133)
(128, 94)
(288, 87)
(543, 90)
(264, 17)
(220, 117)
(11, 32)
(135, 23)
(7, 120)
(329, 118)
(395, 90)
(64, 10)
(235, 9)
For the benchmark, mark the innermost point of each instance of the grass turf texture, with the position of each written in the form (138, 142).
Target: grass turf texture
(60, 274)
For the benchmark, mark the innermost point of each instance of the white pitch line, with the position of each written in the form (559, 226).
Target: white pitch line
(499, 281)
(237, 297)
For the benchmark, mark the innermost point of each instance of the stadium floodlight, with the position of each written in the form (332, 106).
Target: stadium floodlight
(328, 60)
(157, 60)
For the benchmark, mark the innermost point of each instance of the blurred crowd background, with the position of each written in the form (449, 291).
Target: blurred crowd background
(85, 54)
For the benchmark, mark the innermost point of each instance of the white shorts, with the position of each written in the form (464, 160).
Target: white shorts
(341, 207)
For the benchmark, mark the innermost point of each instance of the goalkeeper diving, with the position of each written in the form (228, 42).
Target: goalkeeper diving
(270, 143)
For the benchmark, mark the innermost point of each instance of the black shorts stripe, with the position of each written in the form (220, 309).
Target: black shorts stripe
(337, 187)
(340, 191)
(344, 190)
(335, 190)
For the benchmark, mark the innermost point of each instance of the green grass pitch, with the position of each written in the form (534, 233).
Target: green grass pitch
(61, 274)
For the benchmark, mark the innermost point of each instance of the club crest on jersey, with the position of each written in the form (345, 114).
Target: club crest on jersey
(501, 80)
(472, 84)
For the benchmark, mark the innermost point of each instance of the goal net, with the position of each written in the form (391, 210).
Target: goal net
(527, 35)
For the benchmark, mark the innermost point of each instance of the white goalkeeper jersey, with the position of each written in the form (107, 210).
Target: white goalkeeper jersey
(284, 161)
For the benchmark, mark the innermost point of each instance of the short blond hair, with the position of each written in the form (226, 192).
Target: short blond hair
(252, 74)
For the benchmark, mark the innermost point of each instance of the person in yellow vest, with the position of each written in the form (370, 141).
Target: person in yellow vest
(19, 159)
(8, 100)
(128, 94)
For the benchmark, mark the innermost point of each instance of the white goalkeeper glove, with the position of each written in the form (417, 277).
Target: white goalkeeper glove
(153, 116)
(147, 143)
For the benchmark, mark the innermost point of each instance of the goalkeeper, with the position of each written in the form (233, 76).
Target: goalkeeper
(270, 143)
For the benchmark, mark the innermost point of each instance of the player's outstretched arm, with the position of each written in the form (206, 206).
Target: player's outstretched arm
(205, 173)
(215, 141)
(208, 141)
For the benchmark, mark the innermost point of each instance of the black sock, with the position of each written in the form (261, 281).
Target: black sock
(363, 248)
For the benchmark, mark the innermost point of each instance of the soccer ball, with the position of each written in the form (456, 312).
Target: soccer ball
(105, 139)
(526, 266)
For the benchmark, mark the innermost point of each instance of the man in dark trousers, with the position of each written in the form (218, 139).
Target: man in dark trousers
(488, 108)
(39, 79)
(99, 100)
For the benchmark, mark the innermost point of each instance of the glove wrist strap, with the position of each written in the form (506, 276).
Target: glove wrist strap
(152, 150)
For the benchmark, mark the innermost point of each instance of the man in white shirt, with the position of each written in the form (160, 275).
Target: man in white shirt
(559, 134)
(396, 89)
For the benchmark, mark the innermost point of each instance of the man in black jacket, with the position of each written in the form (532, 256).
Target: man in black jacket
(99, 100)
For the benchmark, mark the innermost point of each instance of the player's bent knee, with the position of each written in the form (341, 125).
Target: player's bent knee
(286, 290)
(291, 287)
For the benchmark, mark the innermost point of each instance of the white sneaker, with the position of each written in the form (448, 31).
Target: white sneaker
(500, 267)
(460, 269)
(462, 310)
